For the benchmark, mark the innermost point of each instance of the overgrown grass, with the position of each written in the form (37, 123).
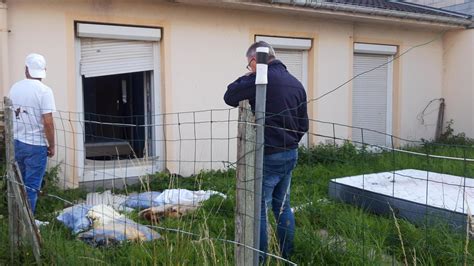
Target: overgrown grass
(328, 232)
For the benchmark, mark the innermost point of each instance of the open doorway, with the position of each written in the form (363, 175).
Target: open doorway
(116, 112)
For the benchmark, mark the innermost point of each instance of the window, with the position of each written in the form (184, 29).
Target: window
(372, 93)
(119, 82)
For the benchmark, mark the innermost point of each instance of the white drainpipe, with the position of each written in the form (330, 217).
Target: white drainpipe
(4, 75)
(375, 11)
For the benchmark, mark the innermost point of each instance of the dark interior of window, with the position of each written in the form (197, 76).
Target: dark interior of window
(114, 113)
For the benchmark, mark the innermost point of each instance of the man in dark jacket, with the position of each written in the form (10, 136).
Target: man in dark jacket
(286, 121)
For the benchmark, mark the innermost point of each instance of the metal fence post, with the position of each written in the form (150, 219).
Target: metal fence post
(261, 82)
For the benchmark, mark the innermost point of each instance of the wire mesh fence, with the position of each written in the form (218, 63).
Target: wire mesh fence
(162, 189)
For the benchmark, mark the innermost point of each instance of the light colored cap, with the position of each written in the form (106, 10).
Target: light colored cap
(36, 65)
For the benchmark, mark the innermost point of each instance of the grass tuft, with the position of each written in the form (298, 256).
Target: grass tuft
(328, 232)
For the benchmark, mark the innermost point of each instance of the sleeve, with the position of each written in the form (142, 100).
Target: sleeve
(241, 89)
(47, 102)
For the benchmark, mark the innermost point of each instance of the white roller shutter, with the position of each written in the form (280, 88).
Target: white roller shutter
(369, 99)
(293, 60)
(102, 57)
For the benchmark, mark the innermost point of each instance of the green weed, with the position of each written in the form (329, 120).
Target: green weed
(328, 232)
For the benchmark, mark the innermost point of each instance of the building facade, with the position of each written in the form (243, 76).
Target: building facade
(169, 63)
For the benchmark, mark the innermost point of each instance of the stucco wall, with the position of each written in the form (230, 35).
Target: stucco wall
(3, 49)
(458, 85)
(203, 50)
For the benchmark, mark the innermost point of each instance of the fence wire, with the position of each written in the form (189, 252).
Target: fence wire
(162, 189)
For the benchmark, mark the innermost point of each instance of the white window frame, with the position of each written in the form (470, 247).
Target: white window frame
(368, 48)
(286, 43)
(390, 50)
(389, 124)
(101, 32)
(88, 30)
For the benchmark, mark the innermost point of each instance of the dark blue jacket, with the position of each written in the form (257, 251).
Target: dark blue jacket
(286, 118)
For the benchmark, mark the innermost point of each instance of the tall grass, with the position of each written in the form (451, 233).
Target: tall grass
(328, 232)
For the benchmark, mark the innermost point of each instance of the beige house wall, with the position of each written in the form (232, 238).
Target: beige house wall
(202, 50)
(4, 74)
(458, 85)
(413, 90)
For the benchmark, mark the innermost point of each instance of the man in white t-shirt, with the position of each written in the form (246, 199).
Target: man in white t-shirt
(33, 126)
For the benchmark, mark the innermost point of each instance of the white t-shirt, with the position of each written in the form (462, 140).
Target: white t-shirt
(31, 99)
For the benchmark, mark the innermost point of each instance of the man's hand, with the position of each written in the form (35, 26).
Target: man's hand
(50, 151)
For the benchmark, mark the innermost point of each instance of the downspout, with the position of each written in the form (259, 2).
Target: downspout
(4, 74)
(440, 121)
(374, 11)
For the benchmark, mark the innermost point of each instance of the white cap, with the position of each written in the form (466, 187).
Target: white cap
(36, 65)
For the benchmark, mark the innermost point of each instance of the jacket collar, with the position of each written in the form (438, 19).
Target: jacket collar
(276, 62)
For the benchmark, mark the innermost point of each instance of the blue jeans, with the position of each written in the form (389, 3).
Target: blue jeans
(32, 161)
(277, 170)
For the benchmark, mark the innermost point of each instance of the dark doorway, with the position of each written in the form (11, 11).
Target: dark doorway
(114, 113)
